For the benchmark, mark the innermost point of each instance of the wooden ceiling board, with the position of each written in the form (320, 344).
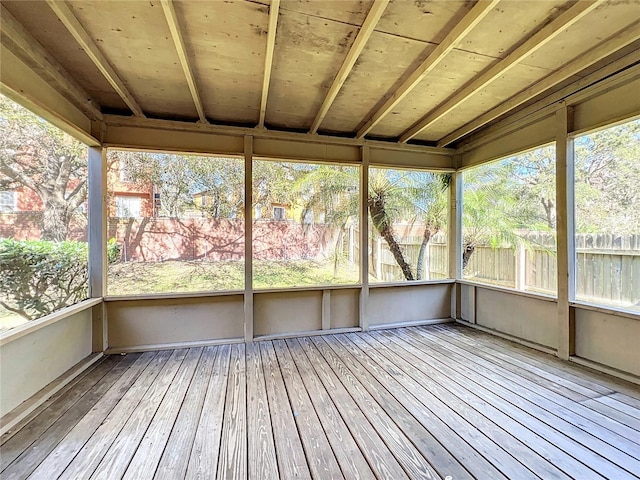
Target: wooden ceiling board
(451, 74)
(352, 12)
(40, 21)
(135, 39)
(503, 88)
(509, 24)
(604, 22)
(379, 69)
(308, 54)
(228, 60)
(423, 20)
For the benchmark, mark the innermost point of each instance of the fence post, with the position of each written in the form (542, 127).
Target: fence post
(521, 261)
(352, 245)
(379, 258)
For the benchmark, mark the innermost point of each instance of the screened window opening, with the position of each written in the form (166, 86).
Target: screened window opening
(176, 224)
(509, 222)
(305, 224)
(607, 216)
(43, 220)
(408, 212)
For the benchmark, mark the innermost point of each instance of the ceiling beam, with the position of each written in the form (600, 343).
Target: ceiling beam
(176, 33)
(274, 8)
(457, 33)
(26, 47)
(609, 47)
(368, 26)
(69, 20)
(543, 36)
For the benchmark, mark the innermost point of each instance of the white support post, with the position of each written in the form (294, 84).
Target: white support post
(455, 240)
(248, 238)
(364, 237)
(97, 236)
(566, 233)
(520, 266)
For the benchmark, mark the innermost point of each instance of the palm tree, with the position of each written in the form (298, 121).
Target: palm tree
(392, 195)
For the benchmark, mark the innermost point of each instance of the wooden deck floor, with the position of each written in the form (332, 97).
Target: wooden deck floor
(424, 402)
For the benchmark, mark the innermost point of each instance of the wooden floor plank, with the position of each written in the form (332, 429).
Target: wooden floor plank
(149, 451)
(117, 458)
(203, 460)
(429, 459)
(292, 462)
(351, 459)
(90, 455)
(29, 460)
(13, 447)
(591, 399)
(574, 441)
(352, 462)
(448, 435)
(612, 428)
(232, 459)
(263, 462)
(588, 378)
(431, 394)
(436, 402)
(380, 457)
(498, 411)
(173, 466)
(58, 460)
(320, 457)
(73, 388)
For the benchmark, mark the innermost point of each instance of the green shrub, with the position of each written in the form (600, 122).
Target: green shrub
(113, 251)
(38, 277)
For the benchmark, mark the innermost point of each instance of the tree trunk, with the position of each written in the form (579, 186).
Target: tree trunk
(466, 254)
(423, 248)
(381, 221)
(55, 220)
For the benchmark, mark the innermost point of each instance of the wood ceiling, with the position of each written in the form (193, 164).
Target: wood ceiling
(423, 71)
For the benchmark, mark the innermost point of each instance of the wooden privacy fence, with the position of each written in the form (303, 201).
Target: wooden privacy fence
(384, 268)
(607, 267)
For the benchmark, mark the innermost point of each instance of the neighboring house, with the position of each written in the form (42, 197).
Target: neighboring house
(273, 211)
(22, 199)
(129, 198)
(208, 202)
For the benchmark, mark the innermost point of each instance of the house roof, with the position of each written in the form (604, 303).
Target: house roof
(423, 71)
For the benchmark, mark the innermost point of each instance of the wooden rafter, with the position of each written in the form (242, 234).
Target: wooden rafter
(25, 46)
(622, 39)
(461, 29)
(176, 33)
(368, 26)
(533, 43)
(69, 20)
(274, 8)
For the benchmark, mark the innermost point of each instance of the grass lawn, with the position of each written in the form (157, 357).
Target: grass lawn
(130, 278)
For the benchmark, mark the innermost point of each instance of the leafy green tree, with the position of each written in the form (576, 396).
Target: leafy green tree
(505, 199)
(40, 157)
(607, 174)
